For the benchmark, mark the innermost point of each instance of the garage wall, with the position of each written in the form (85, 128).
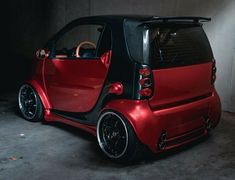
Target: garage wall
(28, 24)
(231, 106)
(221, 31)
(35, 21)
(32, 23)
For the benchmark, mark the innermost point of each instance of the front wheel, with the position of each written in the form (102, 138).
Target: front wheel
(30, 104)
(117, 138)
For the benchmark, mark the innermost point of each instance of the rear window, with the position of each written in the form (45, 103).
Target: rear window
(178, 46)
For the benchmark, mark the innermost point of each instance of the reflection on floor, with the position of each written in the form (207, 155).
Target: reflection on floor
(56, 151)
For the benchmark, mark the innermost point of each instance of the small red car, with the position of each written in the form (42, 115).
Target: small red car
(132, 81)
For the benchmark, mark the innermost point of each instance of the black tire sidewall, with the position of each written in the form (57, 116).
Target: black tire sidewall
(132, 146)
(40, 109)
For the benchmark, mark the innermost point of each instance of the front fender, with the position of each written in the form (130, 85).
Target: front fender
(41, 93)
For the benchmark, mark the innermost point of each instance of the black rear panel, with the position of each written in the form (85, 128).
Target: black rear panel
(178, 46)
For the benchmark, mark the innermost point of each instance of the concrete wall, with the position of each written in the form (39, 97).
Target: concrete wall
(231, 106)
(221, 31)
(36, 21)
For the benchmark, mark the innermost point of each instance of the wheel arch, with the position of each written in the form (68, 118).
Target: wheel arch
(137, 113)
(139, 116)
(119, 112)
(41, 93)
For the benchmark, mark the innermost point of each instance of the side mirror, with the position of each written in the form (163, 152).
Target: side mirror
(42, 54)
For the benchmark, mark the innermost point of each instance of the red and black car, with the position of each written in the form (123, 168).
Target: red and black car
(131, 81)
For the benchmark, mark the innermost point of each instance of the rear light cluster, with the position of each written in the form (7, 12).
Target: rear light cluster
(213, 72)
(145, 82)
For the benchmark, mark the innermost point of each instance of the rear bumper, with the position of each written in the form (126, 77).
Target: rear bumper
(182, 124)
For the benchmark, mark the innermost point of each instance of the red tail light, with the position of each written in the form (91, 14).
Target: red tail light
(213, 72)
(145, 82)
(146, 92)
(145, 71)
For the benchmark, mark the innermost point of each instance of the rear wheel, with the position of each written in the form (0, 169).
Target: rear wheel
(116, 137)
(29, 104)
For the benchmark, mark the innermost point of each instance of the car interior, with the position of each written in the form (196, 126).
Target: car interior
(85, 49)
(97, 44)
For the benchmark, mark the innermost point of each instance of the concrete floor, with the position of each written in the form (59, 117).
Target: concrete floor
(56, 151)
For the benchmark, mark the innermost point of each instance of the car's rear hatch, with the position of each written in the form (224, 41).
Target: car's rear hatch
(179, 85)
(181, 60)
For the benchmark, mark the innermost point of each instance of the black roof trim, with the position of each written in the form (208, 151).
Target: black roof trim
(120, 18)
(146, 18)
(193, 19)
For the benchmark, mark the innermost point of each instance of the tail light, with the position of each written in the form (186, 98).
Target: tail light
(213, 72)
(145, 82)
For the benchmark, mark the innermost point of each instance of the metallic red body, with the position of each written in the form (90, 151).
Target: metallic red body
(148, 123)
(147, 117)
(71, 81)
(174, 85)
(168, 98)
(172, 108)
(116, 88)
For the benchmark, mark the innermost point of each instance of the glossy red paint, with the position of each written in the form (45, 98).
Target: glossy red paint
(53, 117)
(146, 119)
(148, 123)
(215, 109)
(177, 100)
(177, 84)
(105, 58)
(74, 85)
(116, 88)
(38, 82)
(145, 116)
(38, 88)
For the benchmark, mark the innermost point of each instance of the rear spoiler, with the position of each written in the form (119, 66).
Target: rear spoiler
(177, 19)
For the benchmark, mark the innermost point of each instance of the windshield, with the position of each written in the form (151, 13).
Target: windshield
(178, 46)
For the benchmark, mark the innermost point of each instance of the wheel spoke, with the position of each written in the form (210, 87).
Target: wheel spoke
(113, 139)
(27, 101)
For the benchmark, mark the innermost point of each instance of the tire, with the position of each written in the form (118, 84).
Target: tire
(117, 138)
(30, 104)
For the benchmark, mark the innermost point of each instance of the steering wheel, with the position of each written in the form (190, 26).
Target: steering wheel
(82, 44)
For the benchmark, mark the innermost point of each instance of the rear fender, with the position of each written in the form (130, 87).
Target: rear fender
(140, 117)
(215, 109)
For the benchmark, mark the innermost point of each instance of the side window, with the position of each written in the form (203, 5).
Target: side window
(80, 42)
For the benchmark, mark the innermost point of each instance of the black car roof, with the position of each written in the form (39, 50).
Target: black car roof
(117, 17)
(144, 18)
(117, 20)
(113, 20)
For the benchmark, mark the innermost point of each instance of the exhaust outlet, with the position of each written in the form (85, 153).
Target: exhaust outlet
(162, 141)
(208, 123)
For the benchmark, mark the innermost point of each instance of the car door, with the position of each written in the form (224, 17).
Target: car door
(74, 81)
